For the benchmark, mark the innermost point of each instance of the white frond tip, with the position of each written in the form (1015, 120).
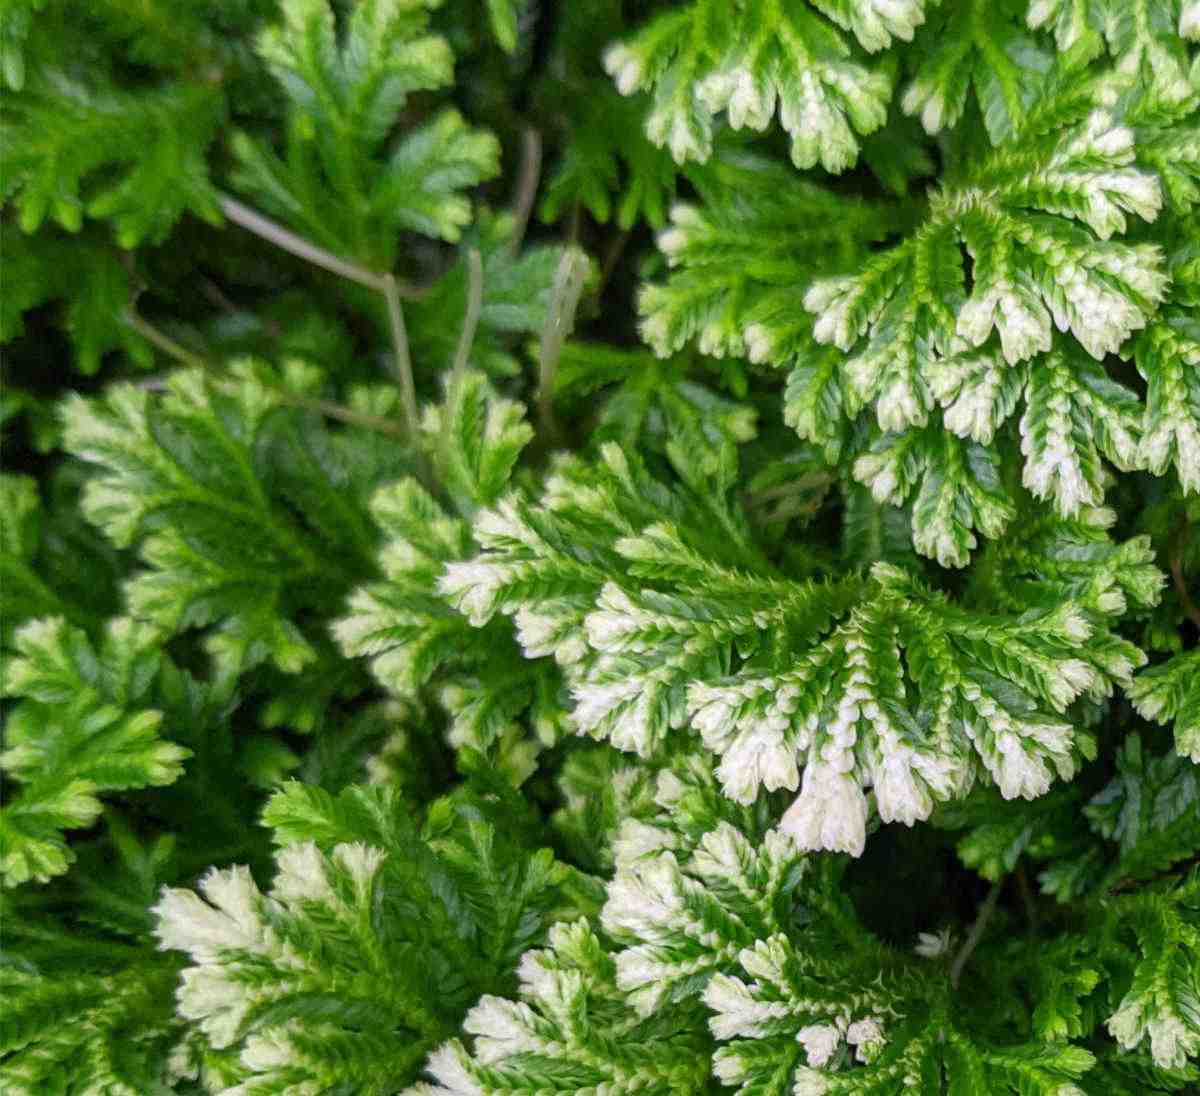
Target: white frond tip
(1021, 319)
(866, 1036)
(1018, 753)
(759, 757)
(617, 621)
(933, 945)
(269, 1050)
(737, 1013)
(687, 136)
(637, 840)
(906, 783)
(820, 1042)
(1171, 1043)
(1189, 20)
(624, 711)
(473, 588)
(626, 68)
(729, 1067)
(748, 102)
(645, 973)
(876, 22)
(448, 1066)
(830, 300)
(830, 812)
(925, 98)
(301, 876)
(686, 221)
(501, 1029)
(232, 921)
(646, 901)
(361, 862)
(809, 1082)
(218, 1003)
(542, 634)
(1187, 741)
(760, 344)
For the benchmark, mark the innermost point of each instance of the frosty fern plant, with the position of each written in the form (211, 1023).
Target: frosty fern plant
(572, 548)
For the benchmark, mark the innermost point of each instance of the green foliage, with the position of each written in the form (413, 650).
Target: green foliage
(242, 505)
(87, 1000)
(58, 137)
(344, 98)
(570, 1028)
(97, 295)
(656, 626)
(83, 727)
(1172, 691)
(750, 59)
(981, 48)
(600, 549)
(376, 934)
(409, 633)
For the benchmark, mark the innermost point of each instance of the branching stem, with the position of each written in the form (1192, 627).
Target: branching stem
(385, 284)
(462, 353)
(402, 359)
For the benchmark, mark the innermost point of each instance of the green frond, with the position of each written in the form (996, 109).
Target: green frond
(738, 260)
(856, 682)
(1151, 809)
(569, 1029)
(978, 46)
(375, 936)
(109, 1033)
(244, 508)
(517, 290)
(750, 59)
(84, 727)
(1171, 691)
(134, 159)
(1160, 929)
(345, 94)
(95, 289)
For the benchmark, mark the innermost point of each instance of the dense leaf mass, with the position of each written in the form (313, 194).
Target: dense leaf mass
(600, 549)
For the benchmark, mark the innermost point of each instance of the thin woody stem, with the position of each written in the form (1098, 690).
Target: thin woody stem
(386, 284)
(466, 337)
(560, 319)
(328, 408)
(975, 935)
(527, 185)
(275, 233)
(161, 340)
(403, 361)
